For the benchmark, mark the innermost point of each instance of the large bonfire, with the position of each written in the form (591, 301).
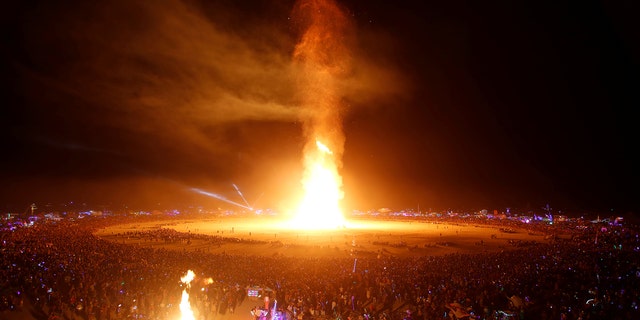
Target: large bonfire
(323, 60)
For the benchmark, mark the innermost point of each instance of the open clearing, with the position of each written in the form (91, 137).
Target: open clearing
(264, 236)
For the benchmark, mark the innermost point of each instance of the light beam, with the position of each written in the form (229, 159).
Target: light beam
(219, 197)
(241, 196)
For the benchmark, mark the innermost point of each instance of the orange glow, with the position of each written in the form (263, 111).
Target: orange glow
(324, 60)
(323, 148)
(320, 208)
(185, 306)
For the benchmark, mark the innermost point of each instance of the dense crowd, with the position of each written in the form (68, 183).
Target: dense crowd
(66, 272)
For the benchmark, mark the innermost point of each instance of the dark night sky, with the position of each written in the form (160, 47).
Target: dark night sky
(455, 104)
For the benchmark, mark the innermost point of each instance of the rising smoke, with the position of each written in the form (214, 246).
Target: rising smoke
(175, 79)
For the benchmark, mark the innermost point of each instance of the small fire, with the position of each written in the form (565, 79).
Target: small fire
(185, 306)
(320, 208)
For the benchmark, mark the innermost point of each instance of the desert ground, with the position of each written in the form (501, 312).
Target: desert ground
(264, 236)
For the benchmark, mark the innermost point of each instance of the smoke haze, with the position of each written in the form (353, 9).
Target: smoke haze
(200, 92)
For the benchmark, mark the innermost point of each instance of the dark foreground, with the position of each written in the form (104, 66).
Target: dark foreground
(63, 271)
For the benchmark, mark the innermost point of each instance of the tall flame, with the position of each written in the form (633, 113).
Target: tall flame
(324, 60)
(320, 208)
(185, 305)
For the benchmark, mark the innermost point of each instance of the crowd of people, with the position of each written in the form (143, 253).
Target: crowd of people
(66, 272)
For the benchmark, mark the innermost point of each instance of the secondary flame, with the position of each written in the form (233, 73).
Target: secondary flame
(185, 306)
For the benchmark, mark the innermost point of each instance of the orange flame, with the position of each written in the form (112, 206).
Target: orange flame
(320, 207)
(185, 305)
(324, 59)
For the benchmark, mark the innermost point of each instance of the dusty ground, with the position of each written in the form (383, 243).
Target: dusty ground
(266, 237)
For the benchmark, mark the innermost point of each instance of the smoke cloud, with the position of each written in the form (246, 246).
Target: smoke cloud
(179, 83)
